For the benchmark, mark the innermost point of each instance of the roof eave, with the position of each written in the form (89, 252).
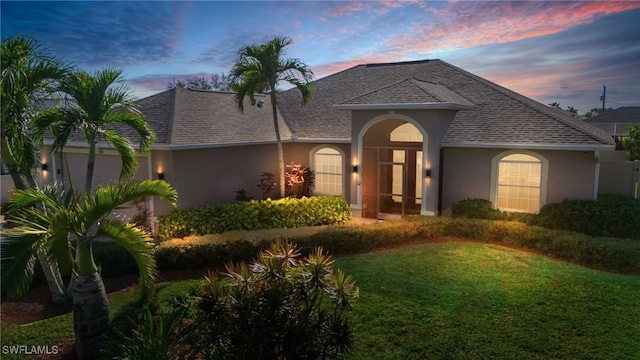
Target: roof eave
(536, 146)
(404, 106)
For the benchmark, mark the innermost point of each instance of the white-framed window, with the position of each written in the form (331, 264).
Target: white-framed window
(328, 164)
(519, 181)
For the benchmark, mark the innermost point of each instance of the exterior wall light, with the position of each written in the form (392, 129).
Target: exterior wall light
(427, 173)
(160, 176)
(355, 168)
(45, 167)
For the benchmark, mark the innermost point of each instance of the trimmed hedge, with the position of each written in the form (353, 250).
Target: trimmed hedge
(254, 215)
(610, 215)
(610, 254)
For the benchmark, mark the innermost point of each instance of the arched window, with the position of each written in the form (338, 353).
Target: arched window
(406, 133)
(520, 182)
(328, 167)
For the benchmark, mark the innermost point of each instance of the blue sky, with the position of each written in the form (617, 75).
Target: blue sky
(558, 51)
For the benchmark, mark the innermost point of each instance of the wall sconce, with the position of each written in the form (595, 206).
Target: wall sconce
(160, 176)
(45, 167)
(355, 168)
(427, 173)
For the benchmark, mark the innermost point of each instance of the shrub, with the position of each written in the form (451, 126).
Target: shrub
(474, 209)
(254, 215)
(277, 307)
(616, 255)
(610, 215)
(614, 216)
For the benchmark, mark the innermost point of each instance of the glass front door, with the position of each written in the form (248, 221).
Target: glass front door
(396, 190)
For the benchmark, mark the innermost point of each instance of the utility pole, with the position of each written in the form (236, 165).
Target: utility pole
(604, 96)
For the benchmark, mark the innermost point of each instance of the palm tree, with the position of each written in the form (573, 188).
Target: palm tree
(260, 68)
(28, 73)
(101, 102)
(85, 219)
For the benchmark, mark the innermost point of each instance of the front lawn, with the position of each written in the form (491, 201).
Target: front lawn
(470, 301)
(459, 300)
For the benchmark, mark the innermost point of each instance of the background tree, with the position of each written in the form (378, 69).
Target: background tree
(29, 73)
(262, 67)
(83, 218)
(631, 143)
(102, 101)
(218, 82)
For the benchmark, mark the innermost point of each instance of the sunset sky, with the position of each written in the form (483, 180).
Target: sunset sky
(552, 51)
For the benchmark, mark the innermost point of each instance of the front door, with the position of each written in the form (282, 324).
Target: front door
(394, 186)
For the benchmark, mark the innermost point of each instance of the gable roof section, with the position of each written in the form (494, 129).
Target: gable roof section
(407, 94)
(188, 119)
(500, 118)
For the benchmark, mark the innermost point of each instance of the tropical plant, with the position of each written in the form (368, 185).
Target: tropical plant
(631, 143)
(29, 72)
(165, 336)
(267, 183)
(101, 102)
(66, 228)
(261, 68)
(277, 307)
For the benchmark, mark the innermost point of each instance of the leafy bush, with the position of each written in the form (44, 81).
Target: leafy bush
(610, 215)
(277, 307)
(253, 215)
(615, 216)
(475, 209)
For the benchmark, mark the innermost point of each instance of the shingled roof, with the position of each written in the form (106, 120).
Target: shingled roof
(186, 118)
(500, 117)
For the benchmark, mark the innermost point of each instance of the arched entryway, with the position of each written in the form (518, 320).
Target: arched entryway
(392, 173)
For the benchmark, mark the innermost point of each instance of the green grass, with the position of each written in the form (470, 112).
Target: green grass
(456, 300)
(474, 301)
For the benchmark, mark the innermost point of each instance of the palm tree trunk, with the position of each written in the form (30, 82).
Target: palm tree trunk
(91, 316)
(278, 141)
(90, 163)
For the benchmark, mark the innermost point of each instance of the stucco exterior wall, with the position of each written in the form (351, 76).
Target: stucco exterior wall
(467, 174)
(211, 176)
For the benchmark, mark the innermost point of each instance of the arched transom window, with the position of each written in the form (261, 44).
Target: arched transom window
(519, 183)
(406, 133)
(328, 167)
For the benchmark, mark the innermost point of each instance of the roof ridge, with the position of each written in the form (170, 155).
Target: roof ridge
(414, 80)
(172, 107)
(526, 101)
(377, 89)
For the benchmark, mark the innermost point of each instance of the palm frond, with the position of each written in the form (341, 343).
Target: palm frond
(125, 149)
(105, 199)
(138, 244)
(139, 124)
(17, 258)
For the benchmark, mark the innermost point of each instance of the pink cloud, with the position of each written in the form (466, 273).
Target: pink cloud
(378, 7)
(469, 24)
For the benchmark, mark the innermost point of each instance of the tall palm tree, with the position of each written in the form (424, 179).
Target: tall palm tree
(85, 219)
(260, 68)
(101, 103)
(28, 73)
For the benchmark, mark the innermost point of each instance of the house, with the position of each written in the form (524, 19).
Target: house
(393, 138)
(617, 122)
